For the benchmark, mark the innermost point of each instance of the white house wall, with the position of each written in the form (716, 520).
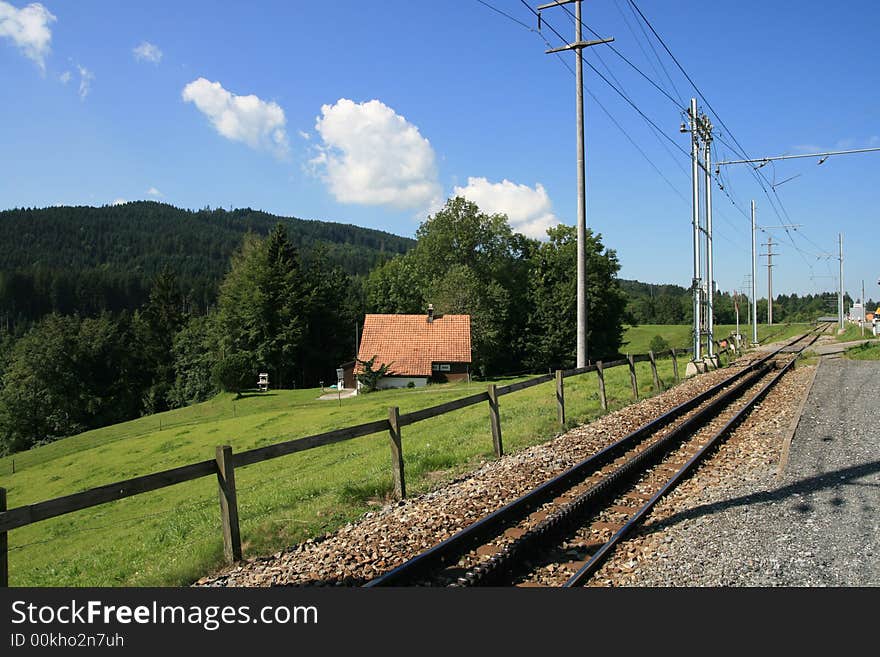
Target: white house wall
(387, 382)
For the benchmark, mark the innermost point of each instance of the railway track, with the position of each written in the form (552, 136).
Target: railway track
(560, 532)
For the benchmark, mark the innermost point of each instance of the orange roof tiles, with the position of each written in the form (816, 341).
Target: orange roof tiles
(410, 343)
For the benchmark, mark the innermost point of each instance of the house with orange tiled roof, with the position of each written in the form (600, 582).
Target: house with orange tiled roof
(417, 348)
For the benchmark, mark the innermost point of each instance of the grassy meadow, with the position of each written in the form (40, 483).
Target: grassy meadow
(172, 536)
(868, 351)
(852, 332)
(637, 339)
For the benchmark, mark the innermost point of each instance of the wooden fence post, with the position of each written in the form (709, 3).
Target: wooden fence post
(632, 376)
(396, 453)
(654, 371)
(4, 546)
(560, 399)
(602, 398)
(228, 504)
(495, 420)
(675, 364)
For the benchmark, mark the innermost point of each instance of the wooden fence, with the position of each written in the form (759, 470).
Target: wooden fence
(225, 461)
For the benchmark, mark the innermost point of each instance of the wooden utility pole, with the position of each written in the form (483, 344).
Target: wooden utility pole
(578, 46)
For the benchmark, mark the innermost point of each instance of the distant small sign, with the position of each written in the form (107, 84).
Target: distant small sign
(340, 374)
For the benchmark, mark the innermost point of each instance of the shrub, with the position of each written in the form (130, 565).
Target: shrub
(659, 344)
(234, 373)
(369, 377)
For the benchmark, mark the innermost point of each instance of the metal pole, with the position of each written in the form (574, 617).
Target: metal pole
(736, 307)
(840, 285)
(695, 154)
(770, 280)
(748, 308)
(825, 155)
(581, 202)
(710, 282)
(861, 319)
(754, 278)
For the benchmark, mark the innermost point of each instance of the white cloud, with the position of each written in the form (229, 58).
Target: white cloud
(119, 201)
(373, 156)
(152, 191)
(846, 143)
(64, 77)
(85, 81)
(807, 148)
(28, 28)
(529, 210)
(248, 119)
(305, 135)
(147, 52)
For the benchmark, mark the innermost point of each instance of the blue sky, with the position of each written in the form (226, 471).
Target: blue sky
(374, 113)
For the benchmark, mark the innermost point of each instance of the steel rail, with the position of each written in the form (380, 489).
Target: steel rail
(475, 534)
(589, 568)
(478, 532)
(503, 565)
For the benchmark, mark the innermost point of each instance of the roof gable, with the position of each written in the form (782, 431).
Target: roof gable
(410, 343)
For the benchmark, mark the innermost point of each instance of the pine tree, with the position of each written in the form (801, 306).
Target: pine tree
(260, 307)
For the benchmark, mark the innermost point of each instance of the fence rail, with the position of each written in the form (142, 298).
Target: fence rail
(310, 442)
(226, 461)
(434, 411)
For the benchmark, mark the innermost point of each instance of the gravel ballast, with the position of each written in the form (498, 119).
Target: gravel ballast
(815, 525)
(384, 539)
(735, 522)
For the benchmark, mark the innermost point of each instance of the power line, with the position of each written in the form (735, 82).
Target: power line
(824, 155)
(758, 175)
(653, 50)
(645, 117)
(595, 70)
(657, 130)
(595, 98)
(637, 109)
(637, 147)
(506, 15)
(677, 104)
(760, 178)
(681, 68)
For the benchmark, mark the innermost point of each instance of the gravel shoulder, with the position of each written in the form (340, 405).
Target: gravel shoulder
(740, 522)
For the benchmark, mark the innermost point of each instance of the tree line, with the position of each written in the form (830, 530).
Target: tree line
(89, 260)
(94, 342)
(275, 312)
(672, 304)
(292, 312)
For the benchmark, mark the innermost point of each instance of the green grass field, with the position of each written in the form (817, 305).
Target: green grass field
(637, 339)
(870, 351)
(853, 332)
(172, 536)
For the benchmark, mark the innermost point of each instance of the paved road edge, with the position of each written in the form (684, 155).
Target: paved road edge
(796, 420)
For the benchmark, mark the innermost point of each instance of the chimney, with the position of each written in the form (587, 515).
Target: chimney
(430, 313)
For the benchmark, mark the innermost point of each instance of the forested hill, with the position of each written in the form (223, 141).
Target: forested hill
(88, 259)
(649, 303)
